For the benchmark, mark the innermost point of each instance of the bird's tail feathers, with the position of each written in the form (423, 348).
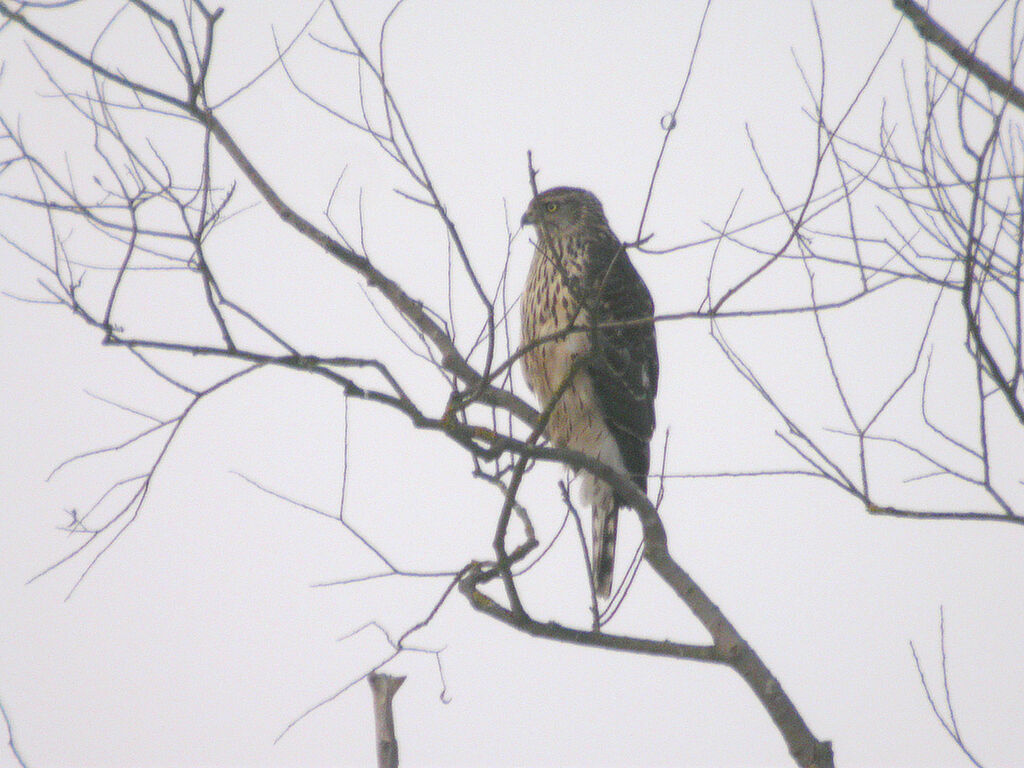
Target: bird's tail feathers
(602, 555)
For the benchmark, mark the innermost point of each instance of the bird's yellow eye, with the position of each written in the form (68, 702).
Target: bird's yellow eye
(551, 207)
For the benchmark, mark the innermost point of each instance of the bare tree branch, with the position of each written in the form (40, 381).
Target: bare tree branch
(933, 32)
(948, 719)
(384, 687)
(10, 738)
(950, 226)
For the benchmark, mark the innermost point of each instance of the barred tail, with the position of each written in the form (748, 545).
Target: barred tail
(602, 556)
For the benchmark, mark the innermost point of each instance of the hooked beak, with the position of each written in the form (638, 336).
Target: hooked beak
(527, 217)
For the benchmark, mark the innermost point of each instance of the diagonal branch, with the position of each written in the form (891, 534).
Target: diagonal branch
(10, 737)
(479, 574)
(933, 32)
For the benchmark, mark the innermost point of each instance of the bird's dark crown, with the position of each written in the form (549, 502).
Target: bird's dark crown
(565, 210)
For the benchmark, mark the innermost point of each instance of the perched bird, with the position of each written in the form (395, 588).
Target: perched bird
(602, 377)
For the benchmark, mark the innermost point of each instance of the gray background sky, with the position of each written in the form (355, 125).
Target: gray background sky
(197, 638)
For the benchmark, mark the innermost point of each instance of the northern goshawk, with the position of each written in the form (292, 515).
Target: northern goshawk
(600, 362)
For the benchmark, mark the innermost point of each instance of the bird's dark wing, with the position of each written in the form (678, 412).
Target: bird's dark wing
(624, 366)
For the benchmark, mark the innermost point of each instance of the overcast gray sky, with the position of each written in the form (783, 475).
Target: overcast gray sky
(198, 637)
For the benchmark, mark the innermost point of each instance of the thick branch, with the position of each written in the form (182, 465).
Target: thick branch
(803, 746)
(384, 687)
(729, 646)
(451, 359)
(933, 32)
(554, 631)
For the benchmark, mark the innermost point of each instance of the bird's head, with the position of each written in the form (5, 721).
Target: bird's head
(564, 211)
